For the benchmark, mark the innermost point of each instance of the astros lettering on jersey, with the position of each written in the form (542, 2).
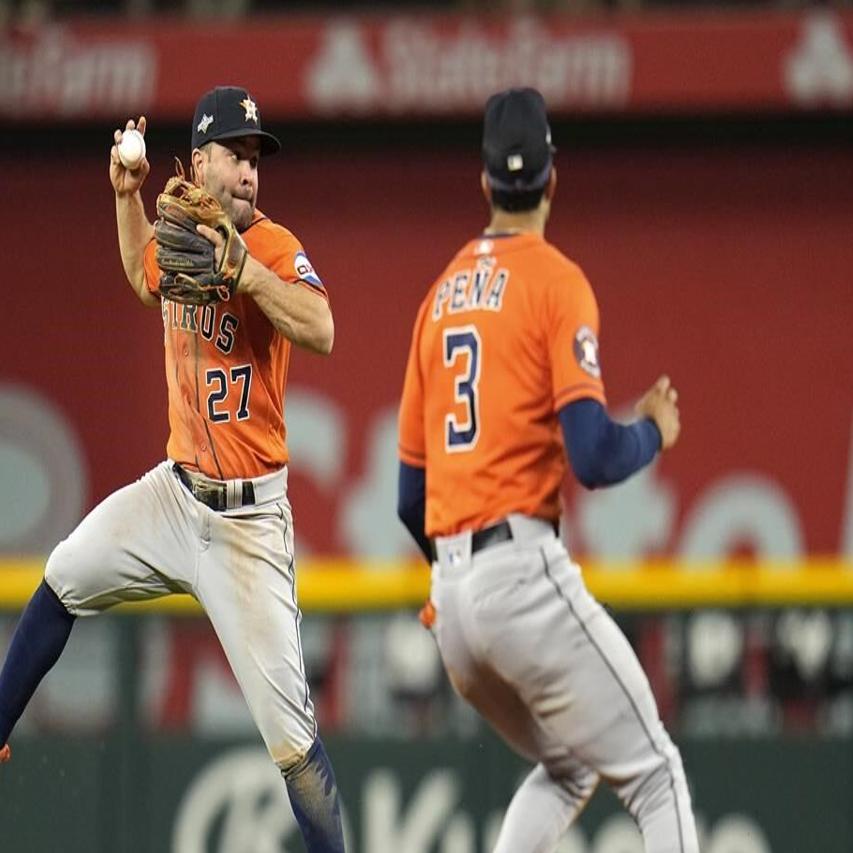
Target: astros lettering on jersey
(226, 367)
(487, 383)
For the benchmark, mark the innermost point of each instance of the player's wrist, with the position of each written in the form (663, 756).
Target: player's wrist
(252, 275)
(655, 431)
(127, 195)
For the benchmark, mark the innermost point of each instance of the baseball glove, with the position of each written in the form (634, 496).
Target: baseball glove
(187, 260)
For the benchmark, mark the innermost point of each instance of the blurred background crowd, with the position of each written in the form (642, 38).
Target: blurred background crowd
(38, 9)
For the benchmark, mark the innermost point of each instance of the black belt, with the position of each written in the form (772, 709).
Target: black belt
(488, 536)
(494, 535)
(213, 494)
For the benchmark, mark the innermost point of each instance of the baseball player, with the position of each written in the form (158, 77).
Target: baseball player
(213, 520)
(503, 375)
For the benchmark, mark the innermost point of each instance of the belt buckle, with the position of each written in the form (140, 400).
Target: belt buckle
(217, 495)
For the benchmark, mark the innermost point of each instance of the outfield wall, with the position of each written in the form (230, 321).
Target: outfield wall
(108, 795)
(725, 266)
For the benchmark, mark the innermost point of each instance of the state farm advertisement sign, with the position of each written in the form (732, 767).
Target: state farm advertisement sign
(432, 65)
(416, 67)
(54, 73)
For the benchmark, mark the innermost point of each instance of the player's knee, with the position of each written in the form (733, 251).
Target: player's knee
(59, 571)
(581, 784)
(658, 783)
(577, 779)
(66, 573)
(655, 791)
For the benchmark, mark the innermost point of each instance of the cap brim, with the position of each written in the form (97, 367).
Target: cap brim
(269, 143)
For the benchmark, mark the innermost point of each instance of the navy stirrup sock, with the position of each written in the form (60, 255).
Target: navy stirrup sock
(36, 645)
(314, 798)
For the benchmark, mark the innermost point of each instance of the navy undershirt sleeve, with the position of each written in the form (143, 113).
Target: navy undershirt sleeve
(37, 643)
(601, 451)
(411, 505)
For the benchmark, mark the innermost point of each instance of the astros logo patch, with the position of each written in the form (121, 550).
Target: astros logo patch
(251, 109)
(305, 271)
(586, 351)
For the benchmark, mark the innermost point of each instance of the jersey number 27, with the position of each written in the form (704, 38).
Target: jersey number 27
(217, 380)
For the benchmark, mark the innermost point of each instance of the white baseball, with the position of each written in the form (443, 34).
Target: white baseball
(131, 149)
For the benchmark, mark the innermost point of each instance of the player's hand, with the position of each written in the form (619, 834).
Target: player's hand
(219, 246)
(126, 181)
(659, 404)
(215, 237)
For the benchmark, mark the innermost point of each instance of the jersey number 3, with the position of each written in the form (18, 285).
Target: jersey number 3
(218, 380)
(464, 342)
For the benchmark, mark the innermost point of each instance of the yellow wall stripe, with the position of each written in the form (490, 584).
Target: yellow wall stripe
(351, 585)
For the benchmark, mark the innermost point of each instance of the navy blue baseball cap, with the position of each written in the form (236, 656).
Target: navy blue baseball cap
(517, 150)
(228, 112)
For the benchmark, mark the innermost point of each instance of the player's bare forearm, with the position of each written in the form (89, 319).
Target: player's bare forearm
(297, 312)
(134, 232)
(134, 229)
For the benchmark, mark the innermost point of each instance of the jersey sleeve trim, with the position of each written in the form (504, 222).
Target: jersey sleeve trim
(148, 255)
(578, 391)
(416, 460)
(319, 290)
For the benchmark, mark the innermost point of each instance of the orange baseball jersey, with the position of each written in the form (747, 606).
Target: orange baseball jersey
(226, 367)
(506, 337)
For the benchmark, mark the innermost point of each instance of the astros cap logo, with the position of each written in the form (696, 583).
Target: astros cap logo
(229, 112)
(251, 109)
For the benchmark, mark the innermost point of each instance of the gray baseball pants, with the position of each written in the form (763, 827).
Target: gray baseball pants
(526, 644)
